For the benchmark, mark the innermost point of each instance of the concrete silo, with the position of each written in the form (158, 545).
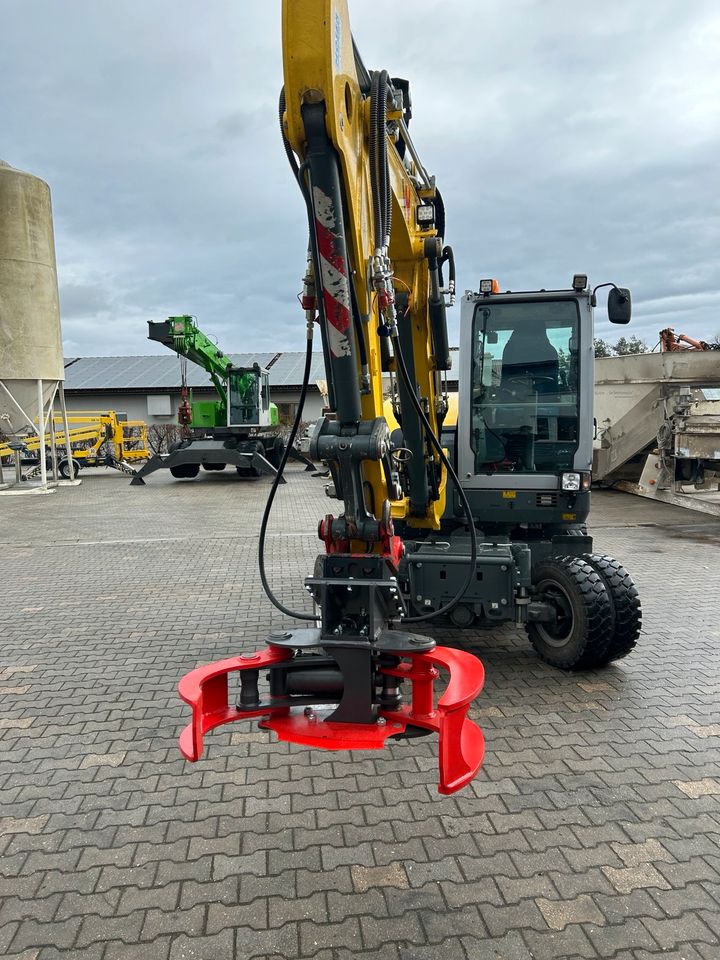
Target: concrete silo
(31, 357)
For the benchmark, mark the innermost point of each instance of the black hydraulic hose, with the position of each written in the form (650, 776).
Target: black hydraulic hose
(273, 490)
(456, 482)
(388, 195)
(383, 168)
(382, 143)
(374, 170)
(379, 167)
(286, 143)
(362, 71)
(448, 257)
(440, 215)
(358, 325)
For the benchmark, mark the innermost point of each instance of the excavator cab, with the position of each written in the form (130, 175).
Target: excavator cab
(523, 447)
(522, 388)
(249, 398)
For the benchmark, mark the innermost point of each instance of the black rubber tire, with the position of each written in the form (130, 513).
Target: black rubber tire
(627, 610)
(582, 635)
(185, 471)
(65, 469)
(214, 466)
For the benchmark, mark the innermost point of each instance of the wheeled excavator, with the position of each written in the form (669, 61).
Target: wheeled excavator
(234, 428)
(482, 520)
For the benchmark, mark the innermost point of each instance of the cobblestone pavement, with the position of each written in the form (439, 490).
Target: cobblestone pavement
(593, 829)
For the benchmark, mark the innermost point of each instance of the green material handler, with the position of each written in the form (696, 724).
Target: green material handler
(236, 428)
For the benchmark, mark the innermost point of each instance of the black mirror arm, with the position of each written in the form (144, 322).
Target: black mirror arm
(593, 299)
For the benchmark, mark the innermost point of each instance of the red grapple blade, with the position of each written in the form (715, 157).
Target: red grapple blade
(461, 743)
(205, 689)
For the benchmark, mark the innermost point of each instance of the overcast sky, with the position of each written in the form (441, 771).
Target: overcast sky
(565, 137)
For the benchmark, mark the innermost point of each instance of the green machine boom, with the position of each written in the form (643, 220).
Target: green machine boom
(236, 428)
(243, 392)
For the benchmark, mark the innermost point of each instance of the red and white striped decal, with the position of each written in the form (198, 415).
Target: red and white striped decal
(333, 275)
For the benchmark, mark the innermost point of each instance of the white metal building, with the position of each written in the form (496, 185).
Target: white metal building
(148, 388)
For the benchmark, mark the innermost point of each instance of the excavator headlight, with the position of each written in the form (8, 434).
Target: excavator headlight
(489, 286)
(580, 281)
(571, 482)
(425, 213)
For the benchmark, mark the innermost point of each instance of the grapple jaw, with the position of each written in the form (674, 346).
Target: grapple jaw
(315, 698)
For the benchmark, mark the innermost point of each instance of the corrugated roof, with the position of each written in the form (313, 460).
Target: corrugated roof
(163, 372)
(287, 371)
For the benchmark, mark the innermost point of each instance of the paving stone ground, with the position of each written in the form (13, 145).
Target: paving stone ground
(593, 829)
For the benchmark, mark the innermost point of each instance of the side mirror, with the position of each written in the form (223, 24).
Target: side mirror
(491, 336)
(619, 305)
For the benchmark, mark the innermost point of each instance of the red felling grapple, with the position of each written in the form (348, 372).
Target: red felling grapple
(461, 743)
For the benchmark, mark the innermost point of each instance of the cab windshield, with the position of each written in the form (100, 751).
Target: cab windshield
(244, 397)
(525, 386)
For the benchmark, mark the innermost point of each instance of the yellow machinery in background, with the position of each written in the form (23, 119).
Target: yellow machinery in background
(97, 438)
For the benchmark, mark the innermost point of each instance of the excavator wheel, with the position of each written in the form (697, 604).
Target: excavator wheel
(185, 471)
(214, 466)
(627, 611)
(583, 630)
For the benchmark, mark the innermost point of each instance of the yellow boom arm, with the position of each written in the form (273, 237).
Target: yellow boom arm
(386, 282)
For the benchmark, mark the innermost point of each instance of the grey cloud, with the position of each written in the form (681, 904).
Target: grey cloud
(565, 137)
(83, 299)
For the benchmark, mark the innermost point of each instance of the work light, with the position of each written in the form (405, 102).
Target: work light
(425, 213)
(571, 482)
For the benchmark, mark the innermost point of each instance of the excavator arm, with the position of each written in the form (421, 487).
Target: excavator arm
(376, 218)
(373, 286)
(183, 335)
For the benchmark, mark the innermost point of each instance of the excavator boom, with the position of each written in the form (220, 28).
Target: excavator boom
(376, 219)
(374, 288)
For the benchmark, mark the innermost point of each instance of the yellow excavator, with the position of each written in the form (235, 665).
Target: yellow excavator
(413, 542)
(374, 288)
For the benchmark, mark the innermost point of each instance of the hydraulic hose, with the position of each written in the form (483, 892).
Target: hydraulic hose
(374, 171)
(448, 257)
(286, 143)
(273, 490)
(379, 166)
(382, 144)
(456, 483)
(299, 171)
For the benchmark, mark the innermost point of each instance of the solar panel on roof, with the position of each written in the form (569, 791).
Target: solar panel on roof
(163, 372)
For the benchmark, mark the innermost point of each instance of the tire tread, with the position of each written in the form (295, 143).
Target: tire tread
(626, 605)
(598, 614)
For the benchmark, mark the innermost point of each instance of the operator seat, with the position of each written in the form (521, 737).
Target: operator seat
(528, 354)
